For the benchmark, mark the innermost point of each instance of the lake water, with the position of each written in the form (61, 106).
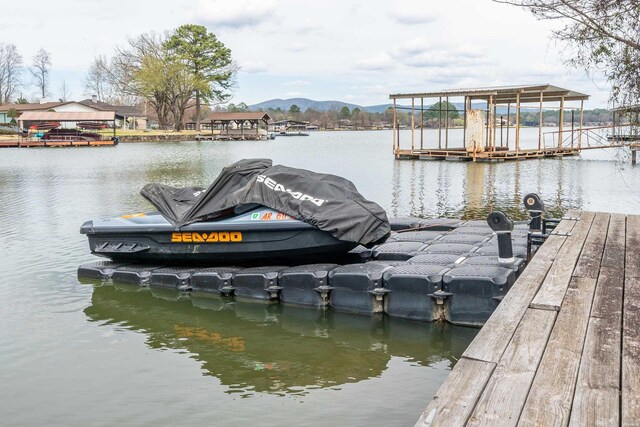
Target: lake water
(75, 354)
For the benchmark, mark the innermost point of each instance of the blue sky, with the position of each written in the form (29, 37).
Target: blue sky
(355, 51)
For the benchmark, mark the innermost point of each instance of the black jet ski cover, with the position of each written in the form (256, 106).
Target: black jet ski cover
(329, 202)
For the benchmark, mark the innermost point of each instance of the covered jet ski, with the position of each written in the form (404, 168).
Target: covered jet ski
(253, 212)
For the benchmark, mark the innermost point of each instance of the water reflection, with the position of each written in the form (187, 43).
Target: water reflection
(258, 348)
(472, 190)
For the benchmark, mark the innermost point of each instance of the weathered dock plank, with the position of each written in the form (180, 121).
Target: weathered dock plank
(507, 389)
(588, 264)
(454, 401)
(630, 403)
(596, 399)
(577, 366)
(551, 394)
(553, 289)
(494, 337)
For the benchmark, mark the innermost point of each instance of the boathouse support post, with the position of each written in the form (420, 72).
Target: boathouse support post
(581, 117)
(560, 122)
(540, 122)
(517, 123)
(440, 122)
(572, 134)
(491, 123)
(495, 131)
(421, 122)
(446, 125)
(413, 124)
(508, 121)
(464, 127)
(486, 125)
(395, 141)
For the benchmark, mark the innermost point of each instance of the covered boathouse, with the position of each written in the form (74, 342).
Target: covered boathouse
(483, 126)
(246, 125)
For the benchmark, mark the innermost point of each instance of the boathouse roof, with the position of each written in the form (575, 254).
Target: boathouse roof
(67, 116)
(504, 94)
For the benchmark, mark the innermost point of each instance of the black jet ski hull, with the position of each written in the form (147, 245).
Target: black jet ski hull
(258, 236)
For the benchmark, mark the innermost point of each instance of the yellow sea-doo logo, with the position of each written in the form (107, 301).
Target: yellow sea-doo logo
(212, 237)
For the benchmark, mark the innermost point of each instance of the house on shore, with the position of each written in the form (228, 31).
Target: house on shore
(127, 117)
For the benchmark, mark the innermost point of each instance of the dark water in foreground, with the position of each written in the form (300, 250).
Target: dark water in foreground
(74, 354)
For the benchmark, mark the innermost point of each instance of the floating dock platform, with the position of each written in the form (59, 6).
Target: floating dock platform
(444, 270)
(563, 347)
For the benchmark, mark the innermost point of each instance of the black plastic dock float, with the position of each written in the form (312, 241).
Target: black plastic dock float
(306, 285)
(410, 288)
(257, 283)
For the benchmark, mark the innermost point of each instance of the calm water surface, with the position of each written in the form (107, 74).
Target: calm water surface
(76, 354)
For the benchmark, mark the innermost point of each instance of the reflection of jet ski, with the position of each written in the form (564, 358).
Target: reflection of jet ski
(257, 235)
(253, 211)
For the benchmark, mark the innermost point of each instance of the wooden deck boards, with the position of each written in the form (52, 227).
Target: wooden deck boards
(563, 347)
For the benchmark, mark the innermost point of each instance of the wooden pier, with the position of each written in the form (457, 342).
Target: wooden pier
(563, 347)
(29, 143)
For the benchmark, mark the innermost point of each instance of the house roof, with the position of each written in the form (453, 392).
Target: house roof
(245, 115)
(289, 122)
(31, 107)
(67, 116)
(121, 110)
(504, 94)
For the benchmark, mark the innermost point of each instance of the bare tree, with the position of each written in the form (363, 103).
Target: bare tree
(97, 81)
(10, 71)
(65, 93)
(40, 70)
(601, 34)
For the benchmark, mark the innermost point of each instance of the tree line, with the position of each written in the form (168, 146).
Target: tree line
(173, 72)
(431, 117)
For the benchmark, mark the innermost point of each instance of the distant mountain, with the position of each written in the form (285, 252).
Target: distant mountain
(304, 103)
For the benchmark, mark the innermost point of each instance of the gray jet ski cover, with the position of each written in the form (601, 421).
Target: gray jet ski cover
(328, 202)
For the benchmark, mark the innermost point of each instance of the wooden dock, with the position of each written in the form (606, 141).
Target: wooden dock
(462, 155)
(563, 347)
(27, 143)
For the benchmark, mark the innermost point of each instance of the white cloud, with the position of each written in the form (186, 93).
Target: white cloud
(297, 47)
(419, 52)
(297, 83)
(377, 63)
(413, 16)
(253, 67)
(235, 14)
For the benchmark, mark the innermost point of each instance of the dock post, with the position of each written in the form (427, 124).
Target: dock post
(446, 125)
(634, 150)
(560, 122)
(540, 122)
(413, 124)
(517, 123)
(440, 123)
(395, 142)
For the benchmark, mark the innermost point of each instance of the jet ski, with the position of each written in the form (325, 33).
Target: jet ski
(255, 236)
(253, 213)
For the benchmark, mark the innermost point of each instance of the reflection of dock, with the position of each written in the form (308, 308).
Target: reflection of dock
(563, 347)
